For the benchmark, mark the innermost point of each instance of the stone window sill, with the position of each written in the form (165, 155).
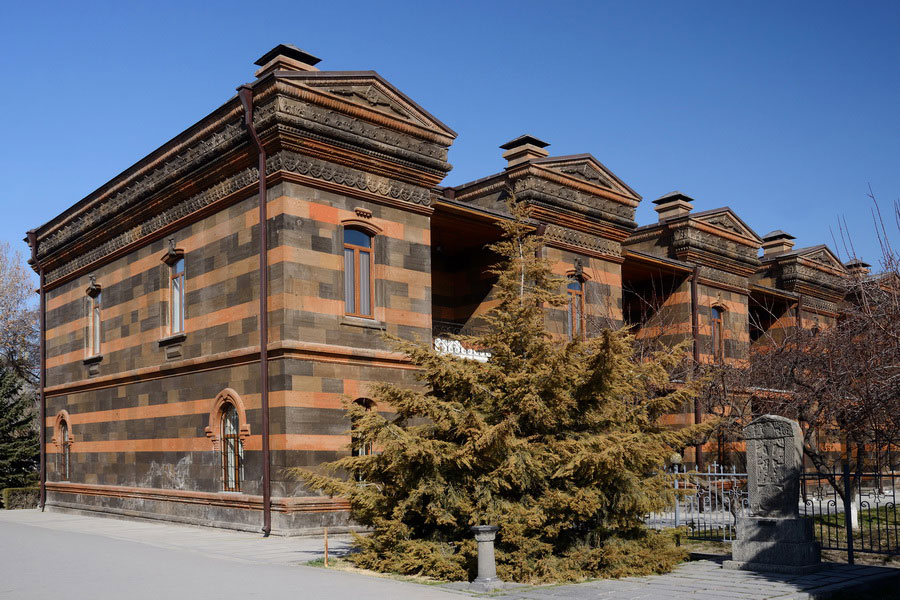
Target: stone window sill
(172, 339)
(363, 323)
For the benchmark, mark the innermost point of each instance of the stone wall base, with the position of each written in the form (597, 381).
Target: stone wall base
(297, 523)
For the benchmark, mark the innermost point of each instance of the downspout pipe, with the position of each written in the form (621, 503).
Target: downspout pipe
(245, 93)
(42, 500)
(695, 334)
(799, 315)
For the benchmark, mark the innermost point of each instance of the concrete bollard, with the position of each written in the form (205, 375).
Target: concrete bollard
(487, 565)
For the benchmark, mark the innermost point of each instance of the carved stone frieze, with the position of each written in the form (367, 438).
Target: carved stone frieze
(726, 223)
(331, 124)
(719, 276)
(190, 158)
(554, 194)
(587, 173)
(182, 209)
(582, 240)
(811, 302)
(794, 273)
(374, 98)
(351, 178)
(686, 238)
(282, 161)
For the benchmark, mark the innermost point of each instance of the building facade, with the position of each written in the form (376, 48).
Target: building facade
(181, 379)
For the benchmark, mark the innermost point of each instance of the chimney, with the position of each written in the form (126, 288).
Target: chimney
(777, 242)
(673, 204)
(523, 149)
(285, 57)
(858, 268)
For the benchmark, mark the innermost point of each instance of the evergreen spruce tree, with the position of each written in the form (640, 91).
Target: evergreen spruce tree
(558, 443)
(19, 447)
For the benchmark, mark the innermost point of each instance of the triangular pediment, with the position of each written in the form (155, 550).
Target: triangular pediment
(369, 90)
(587, 168)
(823, 256)
(728, 221)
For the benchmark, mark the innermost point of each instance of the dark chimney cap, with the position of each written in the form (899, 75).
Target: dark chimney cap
(289, 51)
(857, 263)
(523, 140)
(672, 197)
(777, 235)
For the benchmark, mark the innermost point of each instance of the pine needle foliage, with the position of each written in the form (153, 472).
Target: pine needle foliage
(558, 443)
(19, 448)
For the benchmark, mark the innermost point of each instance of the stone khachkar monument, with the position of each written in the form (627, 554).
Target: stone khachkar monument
(773, 537)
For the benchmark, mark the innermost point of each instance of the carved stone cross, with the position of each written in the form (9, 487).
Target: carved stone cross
(774, 461)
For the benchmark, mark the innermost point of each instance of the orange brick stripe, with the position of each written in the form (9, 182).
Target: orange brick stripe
(280, 441)
(282, 399)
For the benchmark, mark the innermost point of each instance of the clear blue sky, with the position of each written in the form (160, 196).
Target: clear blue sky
(785, 111)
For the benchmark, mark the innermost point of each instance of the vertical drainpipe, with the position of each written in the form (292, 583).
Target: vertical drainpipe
(32, 241)
(695, 334)
(245, 93)
(799, 316)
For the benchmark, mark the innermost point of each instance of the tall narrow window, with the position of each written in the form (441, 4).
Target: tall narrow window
(232, 450)
(575, 313)
(718, 334)
(63, 456)
(176, 302)
(358, 447)
(359, 262)
(95, 324)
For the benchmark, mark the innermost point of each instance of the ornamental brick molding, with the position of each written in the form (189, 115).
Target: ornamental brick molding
(214, 429)
(62, 417)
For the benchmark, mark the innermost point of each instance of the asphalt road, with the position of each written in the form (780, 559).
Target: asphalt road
(39, 563)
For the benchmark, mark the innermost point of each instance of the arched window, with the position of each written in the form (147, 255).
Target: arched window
(232, 450)
(358, 447)
(717, 321)
(575, 313)
(63, 439)
(227, 430)
(359, 262)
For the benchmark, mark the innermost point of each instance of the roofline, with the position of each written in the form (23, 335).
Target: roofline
(588, 155)
(142, 162)
(350, 74)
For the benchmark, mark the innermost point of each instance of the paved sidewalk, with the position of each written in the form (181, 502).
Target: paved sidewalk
(706, 579)
(108, 553)
(221, 543)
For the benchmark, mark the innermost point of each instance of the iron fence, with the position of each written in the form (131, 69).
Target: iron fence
(851, 512)
(707, 503)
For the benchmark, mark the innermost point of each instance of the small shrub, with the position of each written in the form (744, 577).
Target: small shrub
(26, 497)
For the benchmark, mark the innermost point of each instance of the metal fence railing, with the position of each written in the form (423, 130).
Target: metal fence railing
(707, 503)
(851, 512)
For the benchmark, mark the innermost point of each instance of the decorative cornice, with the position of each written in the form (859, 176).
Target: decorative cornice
(795, 276)
(691, 243)
(283, 161)
(230, 185)
(541, 191)
(336, 126)
(718, 277)
(555, 234)
(107, 208)
(347, 177)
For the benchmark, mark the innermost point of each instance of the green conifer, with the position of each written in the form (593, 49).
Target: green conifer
(19, 448)
(558, 443)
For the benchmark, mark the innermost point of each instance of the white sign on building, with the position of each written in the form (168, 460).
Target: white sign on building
(454, 348)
